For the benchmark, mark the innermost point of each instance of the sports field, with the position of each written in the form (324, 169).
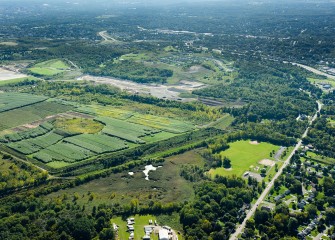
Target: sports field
(244, 156)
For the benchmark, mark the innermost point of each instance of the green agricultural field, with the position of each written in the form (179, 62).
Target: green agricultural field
(31, 113)
(223, 122)
(35, 144)
(97, 143)
(126, 130)
(78, 125)
(31, 133)
(49, 68)
(244, 156)
(63, 152)
(46, 140)
(25, 147)
(165, 124)
(12, 100)
(158, 137)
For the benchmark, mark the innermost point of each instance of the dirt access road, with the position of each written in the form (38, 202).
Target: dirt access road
(266, 191)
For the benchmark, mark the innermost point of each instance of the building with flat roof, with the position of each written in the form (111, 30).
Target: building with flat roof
(163, 234)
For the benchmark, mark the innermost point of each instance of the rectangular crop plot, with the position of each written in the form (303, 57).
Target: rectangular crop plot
(126, 130)
(31, 133)
(11, 100)
(97, 143)
(31, 113)
(46, 140)
(166, 124)
(63, 152)
(25, 147)
(34, 145)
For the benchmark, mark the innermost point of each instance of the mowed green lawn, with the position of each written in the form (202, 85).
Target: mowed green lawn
(49, 68)
(243, 154)
(140, 222)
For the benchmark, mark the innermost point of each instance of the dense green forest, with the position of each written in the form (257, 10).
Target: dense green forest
(216, 209)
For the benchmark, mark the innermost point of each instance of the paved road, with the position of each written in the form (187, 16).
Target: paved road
(316, 71)
(266, 191)
(107, 37)
(279, 153)
(320, 235)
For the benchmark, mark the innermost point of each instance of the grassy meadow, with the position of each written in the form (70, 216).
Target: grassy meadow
(165, 185)
(78, 125)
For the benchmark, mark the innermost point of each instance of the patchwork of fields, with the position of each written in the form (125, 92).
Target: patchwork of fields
(63, 139)
(22, 114)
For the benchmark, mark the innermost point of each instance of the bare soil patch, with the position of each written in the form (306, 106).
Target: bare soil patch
(254, 142)
(9, 43)
(8, 75)
(195, 69)
(267, 162)
(170, 92)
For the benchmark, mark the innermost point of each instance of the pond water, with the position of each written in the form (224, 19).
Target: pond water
(149, 168)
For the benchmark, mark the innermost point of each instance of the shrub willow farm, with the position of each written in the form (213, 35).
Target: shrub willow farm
(190, 120)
